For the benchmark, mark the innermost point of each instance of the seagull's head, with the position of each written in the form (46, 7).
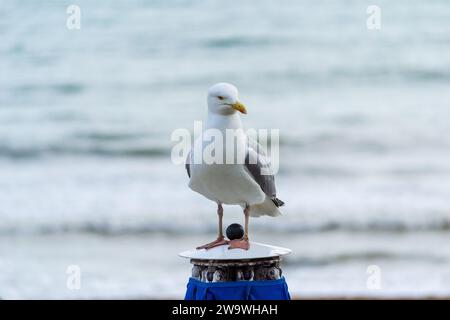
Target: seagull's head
(223, 99)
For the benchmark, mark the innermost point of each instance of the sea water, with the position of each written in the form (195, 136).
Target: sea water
(86, 116)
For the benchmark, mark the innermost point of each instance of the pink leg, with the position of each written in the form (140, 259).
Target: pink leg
(242, 243)
(220, 238)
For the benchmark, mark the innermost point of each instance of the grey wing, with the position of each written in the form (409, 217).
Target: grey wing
(258, 165)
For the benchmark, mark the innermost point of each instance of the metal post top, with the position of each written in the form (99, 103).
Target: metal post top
(256, 251)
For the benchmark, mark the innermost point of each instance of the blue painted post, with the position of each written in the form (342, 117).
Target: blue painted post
(222, 274)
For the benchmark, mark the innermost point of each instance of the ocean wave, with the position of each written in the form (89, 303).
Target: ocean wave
(373, 75)
(233, 42)
(131, 144)
(350, 257)
(64, 88)
(135, 144)
(29, 152)
(109, 136)
(165, 228)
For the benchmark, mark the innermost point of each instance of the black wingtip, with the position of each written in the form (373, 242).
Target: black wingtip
(277, 202)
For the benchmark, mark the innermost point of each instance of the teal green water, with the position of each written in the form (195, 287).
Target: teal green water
(86, 115)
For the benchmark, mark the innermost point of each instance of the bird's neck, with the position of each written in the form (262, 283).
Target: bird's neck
(221, 122)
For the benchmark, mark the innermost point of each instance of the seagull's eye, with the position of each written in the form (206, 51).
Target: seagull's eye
(220, 97)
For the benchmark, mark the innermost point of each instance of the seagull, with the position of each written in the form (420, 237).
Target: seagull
(249, 183)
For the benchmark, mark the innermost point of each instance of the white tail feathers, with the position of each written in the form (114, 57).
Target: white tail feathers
(266, 208)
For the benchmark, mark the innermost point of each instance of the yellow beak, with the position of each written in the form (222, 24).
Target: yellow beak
(239, 107)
